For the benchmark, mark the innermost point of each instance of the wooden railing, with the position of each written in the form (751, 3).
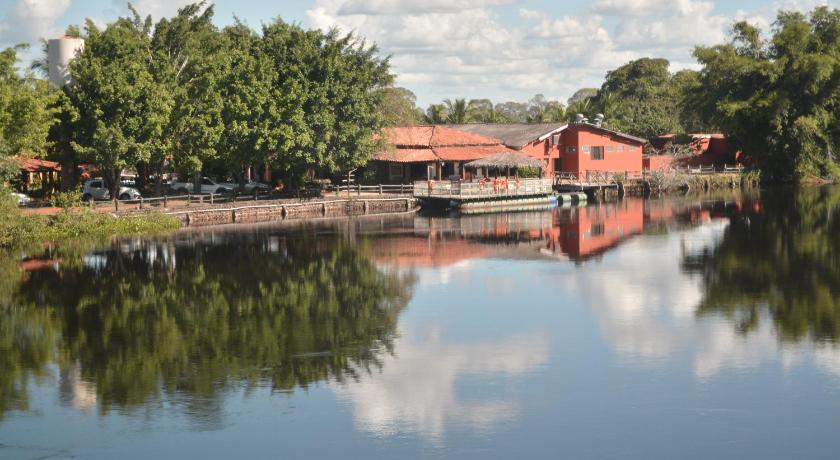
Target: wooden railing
(190, 198)
(381, 189)
(482, 189)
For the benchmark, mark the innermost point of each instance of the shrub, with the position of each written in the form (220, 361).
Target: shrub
(527, 172)
(67, 200)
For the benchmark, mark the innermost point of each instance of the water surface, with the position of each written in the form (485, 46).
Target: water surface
(693, 327)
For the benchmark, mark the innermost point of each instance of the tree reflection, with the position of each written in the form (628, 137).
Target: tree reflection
(147, 319)
(782, 257)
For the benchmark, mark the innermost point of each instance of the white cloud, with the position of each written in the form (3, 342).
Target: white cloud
(157, 8)
(30, 20)
(416, 389)
(391, 7)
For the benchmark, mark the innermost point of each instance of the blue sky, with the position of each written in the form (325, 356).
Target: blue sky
(498, 49)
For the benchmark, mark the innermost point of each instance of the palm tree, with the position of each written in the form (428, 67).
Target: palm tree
(436, 114)
(456, 111)
(582, 106)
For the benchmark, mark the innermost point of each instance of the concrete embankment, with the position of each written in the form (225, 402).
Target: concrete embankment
(254, 213)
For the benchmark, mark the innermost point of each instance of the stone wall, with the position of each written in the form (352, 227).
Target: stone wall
(278, 212)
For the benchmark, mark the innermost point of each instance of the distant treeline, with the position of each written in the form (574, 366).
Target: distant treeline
(182, 95)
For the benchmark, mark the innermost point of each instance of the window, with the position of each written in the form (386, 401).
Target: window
(206, 181)
(395, 171)
(96, 184)
(620, 148)
(597, 230)
(610, 148)
(587, 149)
(571, 149)
(597, 153)
(555, 139)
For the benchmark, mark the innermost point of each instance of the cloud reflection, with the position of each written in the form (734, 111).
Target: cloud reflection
(417, 389)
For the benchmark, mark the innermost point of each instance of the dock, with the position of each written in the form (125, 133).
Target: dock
(490, 193)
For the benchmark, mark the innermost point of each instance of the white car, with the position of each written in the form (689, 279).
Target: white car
(22, 200)
(207, 186)
(95, 189)
(249, 186)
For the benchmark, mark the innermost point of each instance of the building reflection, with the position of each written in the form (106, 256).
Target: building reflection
(578, 234)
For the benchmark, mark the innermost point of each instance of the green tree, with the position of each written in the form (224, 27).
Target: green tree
(123, 110)
(329, 98)
(399, 107)
(247, 112)
(456, 111)
(778, 99)
(26, 113)
(436, 114)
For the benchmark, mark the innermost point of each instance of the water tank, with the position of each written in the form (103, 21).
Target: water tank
(60, 51)
(599, 119)
(579, 118)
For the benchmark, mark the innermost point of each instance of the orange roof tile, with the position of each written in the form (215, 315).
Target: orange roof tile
(36, 165)
(410, 155)
(469, 153)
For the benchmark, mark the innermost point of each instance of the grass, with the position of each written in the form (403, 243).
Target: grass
(17, 230)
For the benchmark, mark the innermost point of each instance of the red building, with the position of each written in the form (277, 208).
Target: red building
(430, 152)
(534, 140)
(572, 148)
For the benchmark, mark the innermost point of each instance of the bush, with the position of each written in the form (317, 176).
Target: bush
(18, 230)
(527, 172)
(67, 200)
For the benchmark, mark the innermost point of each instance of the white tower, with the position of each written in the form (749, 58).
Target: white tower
(60, 51)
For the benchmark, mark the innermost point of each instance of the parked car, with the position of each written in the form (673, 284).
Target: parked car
(95, 189)
(249, 186)
(207, 186)
(22, 200)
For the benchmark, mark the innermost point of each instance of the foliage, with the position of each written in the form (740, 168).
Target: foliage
(778, 99)
(399, 107)
(138, 326)
(18, 230)
(641, 98)
(25, 110)
(66, 200)
(529, 172)
(458, 111)
(780, 258)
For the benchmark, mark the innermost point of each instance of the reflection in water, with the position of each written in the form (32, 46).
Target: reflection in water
(416, 389)
(701, 285)
(783, 258)
(147, 319)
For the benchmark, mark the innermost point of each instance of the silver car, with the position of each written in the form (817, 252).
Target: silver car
(96, 189)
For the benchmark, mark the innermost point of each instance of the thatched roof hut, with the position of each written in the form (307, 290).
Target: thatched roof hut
(505, 160)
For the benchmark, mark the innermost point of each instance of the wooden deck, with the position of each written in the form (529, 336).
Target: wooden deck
(460, 191)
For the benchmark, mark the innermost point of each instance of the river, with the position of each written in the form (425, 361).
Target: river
(681, 327)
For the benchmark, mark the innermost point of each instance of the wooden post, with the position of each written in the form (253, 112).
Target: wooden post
(211, 198)
(358, 189)
(366, 206)
(380, 189)
(116, 205)
(141, 203)
(164, 201)
(323, 208)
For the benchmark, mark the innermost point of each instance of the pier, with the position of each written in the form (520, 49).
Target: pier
(479, 193)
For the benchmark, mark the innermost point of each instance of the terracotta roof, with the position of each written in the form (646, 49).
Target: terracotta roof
(469, 153)
(514, 135)
(407, 155)
(36, 165)
(434, 136)
(424, 144)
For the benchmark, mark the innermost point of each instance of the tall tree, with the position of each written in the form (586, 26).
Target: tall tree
(123, 110)
(327, 89)
(26, 113)
(456, 111)
(399, 107)
(248, 112)
(779, 99)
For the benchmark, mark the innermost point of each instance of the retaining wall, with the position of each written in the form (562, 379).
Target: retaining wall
(278, 212)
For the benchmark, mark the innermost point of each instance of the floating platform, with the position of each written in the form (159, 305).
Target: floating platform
(488, 194)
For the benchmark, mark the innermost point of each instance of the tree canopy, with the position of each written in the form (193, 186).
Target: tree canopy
(778, 97)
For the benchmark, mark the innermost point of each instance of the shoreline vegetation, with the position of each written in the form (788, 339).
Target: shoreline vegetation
(74, 223)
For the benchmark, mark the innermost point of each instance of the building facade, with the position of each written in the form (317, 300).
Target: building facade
(429, 153)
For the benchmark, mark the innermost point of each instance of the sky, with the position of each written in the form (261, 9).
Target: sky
(497, 49)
